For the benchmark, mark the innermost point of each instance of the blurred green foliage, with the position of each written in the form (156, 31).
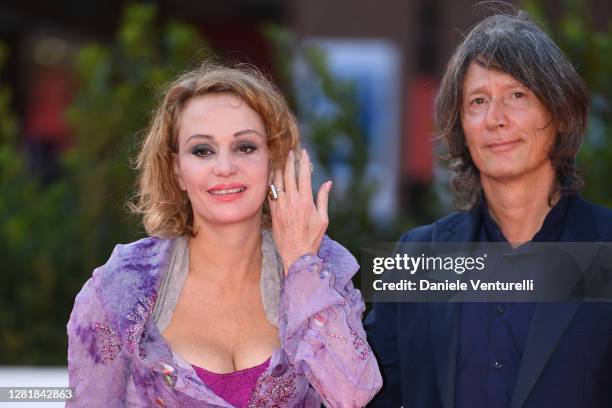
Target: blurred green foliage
(31, 252)
(590, 51)
(54, 234)
(117, 90)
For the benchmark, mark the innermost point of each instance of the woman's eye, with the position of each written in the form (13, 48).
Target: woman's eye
(518, 94)
(202, 151)
(247, 148)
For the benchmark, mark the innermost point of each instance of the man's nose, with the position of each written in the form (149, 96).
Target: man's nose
(496, 114)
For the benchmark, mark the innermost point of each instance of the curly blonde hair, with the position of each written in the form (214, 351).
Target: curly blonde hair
(165, 209)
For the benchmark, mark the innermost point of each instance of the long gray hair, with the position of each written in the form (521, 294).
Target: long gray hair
(512, 43)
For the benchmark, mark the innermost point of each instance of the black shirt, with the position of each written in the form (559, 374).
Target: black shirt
(492, 335)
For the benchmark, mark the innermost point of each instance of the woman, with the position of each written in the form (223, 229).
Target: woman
(235, 299)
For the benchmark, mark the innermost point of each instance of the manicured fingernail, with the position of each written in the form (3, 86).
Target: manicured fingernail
(329, 185)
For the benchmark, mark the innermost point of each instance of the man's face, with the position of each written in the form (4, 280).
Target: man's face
(508, 130)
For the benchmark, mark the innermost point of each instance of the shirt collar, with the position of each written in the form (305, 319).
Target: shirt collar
(549, 232)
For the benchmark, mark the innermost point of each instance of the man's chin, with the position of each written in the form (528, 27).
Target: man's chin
(503, 174)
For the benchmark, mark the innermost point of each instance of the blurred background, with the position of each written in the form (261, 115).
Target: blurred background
(78, 81)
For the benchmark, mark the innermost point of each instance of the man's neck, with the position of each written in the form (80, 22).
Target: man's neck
(519, 206)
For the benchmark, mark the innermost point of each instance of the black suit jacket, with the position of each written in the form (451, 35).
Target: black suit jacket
(567, 361)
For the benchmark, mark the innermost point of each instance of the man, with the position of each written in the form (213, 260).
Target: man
(513, 112)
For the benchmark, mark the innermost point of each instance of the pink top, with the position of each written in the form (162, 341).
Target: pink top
(235, 387)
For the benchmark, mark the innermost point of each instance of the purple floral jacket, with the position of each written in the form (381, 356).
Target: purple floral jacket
(117, 357)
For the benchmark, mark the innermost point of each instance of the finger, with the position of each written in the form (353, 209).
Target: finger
(305, 184)
(289, 177)
(323, 200)
(277, 180)
(273, 208)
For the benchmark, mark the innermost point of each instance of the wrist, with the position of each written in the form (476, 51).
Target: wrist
(291, 259)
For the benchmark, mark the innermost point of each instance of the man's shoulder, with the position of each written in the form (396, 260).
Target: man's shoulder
(425, 233)
(589, 221)
(583, 205)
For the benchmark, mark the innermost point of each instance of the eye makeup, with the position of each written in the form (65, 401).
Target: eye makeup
(202, 150)
(246, 147)
(206, 150)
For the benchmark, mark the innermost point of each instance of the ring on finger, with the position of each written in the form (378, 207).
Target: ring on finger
(273, 191)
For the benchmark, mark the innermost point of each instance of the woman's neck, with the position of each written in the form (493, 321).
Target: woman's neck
(227, 254)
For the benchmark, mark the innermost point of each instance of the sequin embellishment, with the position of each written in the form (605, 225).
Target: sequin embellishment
(169, 374)
(137, 320)
(360, 345)
(273, 392)
(107, 342)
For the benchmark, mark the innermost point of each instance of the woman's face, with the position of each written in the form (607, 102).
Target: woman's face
(222, 159)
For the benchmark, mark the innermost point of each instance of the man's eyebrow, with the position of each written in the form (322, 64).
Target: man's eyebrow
(478, 89)
(506, 85)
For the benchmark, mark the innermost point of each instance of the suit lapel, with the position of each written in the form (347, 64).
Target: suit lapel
(550, 320)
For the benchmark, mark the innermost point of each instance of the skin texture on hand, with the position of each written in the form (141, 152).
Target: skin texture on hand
(298, 225)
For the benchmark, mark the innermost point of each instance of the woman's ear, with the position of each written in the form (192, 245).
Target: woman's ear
(177, 172)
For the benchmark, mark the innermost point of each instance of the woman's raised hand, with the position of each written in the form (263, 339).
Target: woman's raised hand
(298, 226)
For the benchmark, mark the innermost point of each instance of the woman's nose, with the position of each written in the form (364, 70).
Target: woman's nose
(225, 165)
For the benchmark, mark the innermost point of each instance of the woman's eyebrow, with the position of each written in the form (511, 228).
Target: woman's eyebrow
(210, 137)
(247, 131)
(199, 136)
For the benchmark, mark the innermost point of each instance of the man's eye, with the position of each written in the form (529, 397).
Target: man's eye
(202, 151)
(247, 148)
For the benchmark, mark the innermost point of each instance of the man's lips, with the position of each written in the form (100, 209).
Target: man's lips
(503, 146)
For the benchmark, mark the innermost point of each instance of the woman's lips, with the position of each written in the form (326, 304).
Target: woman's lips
(503, 146)
(227, 192)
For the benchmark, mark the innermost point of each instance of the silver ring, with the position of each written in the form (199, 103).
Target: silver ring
(274, 191)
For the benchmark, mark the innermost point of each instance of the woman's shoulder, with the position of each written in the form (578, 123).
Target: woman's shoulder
(131, 274)
(136, 258)
(143, 248)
